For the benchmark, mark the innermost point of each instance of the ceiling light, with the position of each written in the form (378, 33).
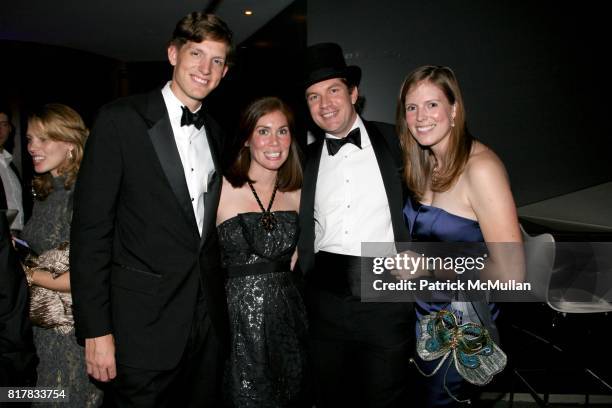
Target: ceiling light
(248, 12)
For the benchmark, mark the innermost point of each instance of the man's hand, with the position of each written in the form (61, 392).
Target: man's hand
(410, 272)
(100, 357)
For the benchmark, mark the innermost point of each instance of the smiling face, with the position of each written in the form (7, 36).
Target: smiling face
(331, 106)
(269, 143)
(198, 69)
(47, 155)
(429, 114)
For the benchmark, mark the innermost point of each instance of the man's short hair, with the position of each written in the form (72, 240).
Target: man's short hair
(198, 26)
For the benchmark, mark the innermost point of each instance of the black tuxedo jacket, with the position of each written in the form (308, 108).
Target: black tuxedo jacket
(389, 157)
(137, 259)
(17, 354)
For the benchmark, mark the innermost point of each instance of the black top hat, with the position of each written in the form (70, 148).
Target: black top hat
(326, 61)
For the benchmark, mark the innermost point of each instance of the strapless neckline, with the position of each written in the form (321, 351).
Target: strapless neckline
(237, 216)
(435, 208)
(430, 223)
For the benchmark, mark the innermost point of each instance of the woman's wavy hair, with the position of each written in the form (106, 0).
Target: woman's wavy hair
(290, 173)
(419, 160)
(59, 123)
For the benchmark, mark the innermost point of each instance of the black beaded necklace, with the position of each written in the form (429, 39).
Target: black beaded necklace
(268, 222)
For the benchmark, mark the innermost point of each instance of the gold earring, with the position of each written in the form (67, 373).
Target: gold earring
(70, 157)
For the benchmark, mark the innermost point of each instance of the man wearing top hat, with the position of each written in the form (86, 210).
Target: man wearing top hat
(352, 193)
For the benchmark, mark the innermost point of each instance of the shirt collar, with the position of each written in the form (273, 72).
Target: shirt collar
(6, 158)
(173, 104)
(365, 139)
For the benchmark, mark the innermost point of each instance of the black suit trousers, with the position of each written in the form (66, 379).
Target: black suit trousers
(360, 351)
(195, 382)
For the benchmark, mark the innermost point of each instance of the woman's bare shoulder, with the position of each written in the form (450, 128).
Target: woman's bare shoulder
(484, 165)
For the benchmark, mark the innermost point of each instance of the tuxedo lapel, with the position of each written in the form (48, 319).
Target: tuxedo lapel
(391, 176)
(213, 190)
(212, 142)
(211, 199)
(162, 137)
(307, 203)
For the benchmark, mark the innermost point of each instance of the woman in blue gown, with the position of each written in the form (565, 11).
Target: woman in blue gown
(459, 193)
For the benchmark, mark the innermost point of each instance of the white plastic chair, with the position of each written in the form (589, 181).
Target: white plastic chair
(540, 262)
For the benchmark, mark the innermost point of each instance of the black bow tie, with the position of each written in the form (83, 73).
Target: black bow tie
(189, 118)
(334, 145)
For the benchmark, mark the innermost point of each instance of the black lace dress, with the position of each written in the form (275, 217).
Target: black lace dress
(267, 316)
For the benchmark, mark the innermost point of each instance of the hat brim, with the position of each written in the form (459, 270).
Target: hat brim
(352, 73)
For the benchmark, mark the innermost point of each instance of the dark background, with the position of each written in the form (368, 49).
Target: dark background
(269, 62)
(533, 76)
(532, 73)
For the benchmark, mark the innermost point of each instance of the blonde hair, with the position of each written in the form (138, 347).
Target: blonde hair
(420, 160)
(60, 123)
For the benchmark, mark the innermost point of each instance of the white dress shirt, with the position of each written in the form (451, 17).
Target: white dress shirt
(12, 189)
(351, 204)
(196, 158)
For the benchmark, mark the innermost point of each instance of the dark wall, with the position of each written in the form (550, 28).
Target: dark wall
(268, 63)
(531, 74)
(34, 74)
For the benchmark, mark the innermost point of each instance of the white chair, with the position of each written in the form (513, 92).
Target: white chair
(539, 262)
(590, 289)
(540, 255)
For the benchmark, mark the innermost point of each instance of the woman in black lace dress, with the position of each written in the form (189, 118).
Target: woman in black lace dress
(257, 222)
(56, 136)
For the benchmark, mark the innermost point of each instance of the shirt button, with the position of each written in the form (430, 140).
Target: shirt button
(345, 232)
(192, 169)
(345, 156)
(347, 180)
(348, 206)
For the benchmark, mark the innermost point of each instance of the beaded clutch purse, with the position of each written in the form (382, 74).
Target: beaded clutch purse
(475, 355)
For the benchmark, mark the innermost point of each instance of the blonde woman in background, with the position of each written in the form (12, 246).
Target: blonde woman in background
(56, 137)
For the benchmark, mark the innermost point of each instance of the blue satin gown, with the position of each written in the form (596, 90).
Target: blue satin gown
(433, 224)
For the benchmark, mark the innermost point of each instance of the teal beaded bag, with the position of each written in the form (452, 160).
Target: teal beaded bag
(475, 355)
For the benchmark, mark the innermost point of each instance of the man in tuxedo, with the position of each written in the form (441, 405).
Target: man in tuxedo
(17, 355)
(145, 262)
(9, 173)
(352, 193)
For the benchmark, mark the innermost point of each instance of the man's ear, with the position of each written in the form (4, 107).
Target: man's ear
(354, 95)
(172, 54)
